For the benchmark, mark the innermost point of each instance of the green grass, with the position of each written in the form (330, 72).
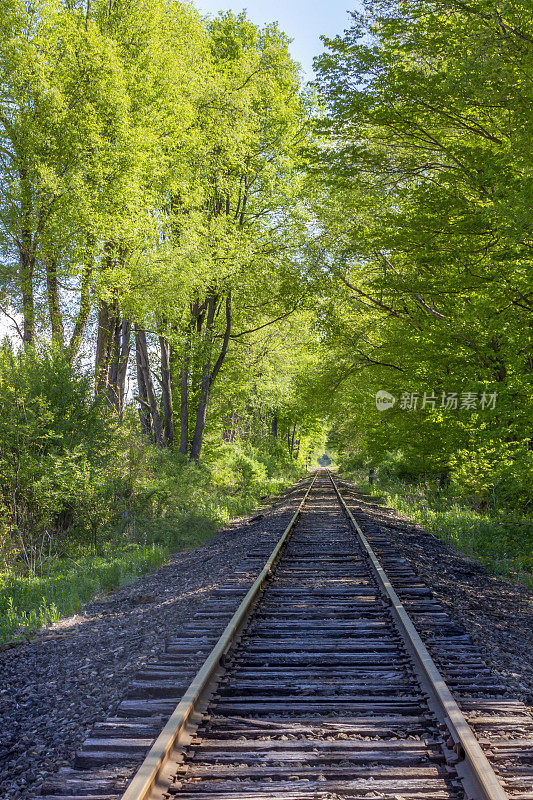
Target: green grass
(501, 539)
(180, 508)
(29, 601)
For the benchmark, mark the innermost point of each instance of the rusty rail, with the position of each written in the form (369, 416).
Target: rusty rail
(477, 775)
(150, 773)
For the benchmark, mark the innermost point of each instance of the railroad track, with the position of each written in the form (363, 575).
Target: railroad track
(339, 675)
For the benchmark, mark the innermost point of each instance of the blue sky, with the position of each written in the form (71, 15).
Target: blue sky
(302, 20)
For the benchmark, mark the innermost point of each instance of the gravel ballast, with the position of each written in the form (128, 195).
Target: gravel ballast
(54, 688)
(497, 614)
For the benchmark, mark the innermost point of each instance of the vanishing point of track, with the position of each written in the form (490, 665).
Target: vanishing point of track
(321, 686)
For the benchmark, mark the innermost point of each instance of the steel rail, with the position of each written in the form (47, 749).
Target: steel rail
(477, 775)
(149, 773)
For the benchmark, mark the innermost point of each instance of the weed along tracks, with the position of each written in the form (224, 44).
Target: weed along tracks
(339, 675)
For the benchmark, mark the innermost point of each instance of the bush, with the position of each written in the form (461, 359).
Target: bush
(54, 439)
(86, 503)
(500, 473)
(249, 470)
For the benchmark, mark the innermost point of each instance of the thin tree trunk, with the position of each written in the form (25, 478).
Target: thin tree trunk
(26, 248)
(108, 319)
(83, 312)
(201, 414)
(26, 270)
(107, 322)
(142, 397)
(209, 376)
(54, 308)
(225, 342)
(201, 411)
(112, 378)
(274, 427)
(291, 450)
(184, 396)
(123, 363)
(184, 381)
(118, 367)
(143, 365)
(166, 390)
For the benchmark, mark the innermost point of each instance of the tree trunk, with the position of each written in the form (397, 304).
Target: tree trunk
(26, 270)
(274, 427)
(184, 396)
(112, 377)
(201, 411)
(54, 308)
(201, 414)
(84, 310)
(108, 319)
(166, 390)
(26, 249)
(291, 449)
(118, 367)
(123, 364)
(149, 399)
(142, 397)
(209, 376)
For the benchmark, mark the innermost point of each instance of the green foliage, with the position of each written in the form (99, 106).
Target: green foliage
(172, 505)
(249, 471)
(53, 436)
(423, 163)
(86, 504)
(28, 602)
(502, 540)
(501, 473)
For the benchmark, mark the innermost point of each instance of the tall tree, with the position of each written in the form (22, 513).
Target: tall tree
(427, 156)
(62, 97)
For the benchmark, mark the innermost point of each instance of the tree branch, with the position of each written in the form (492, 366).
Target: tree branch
(265, 325)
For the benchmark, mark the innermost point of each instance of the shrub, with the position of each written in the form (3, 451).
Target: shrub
(86, 503)
(54, 437)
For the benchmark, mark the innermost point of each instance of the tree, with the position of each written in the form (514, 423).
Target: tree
(229, 230)
(427, 134)
(62, 102)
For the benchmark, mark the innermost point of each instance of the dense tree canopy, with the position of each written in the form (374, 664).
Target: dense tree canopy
(426, 226)
(151, 193)
(237, 258)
